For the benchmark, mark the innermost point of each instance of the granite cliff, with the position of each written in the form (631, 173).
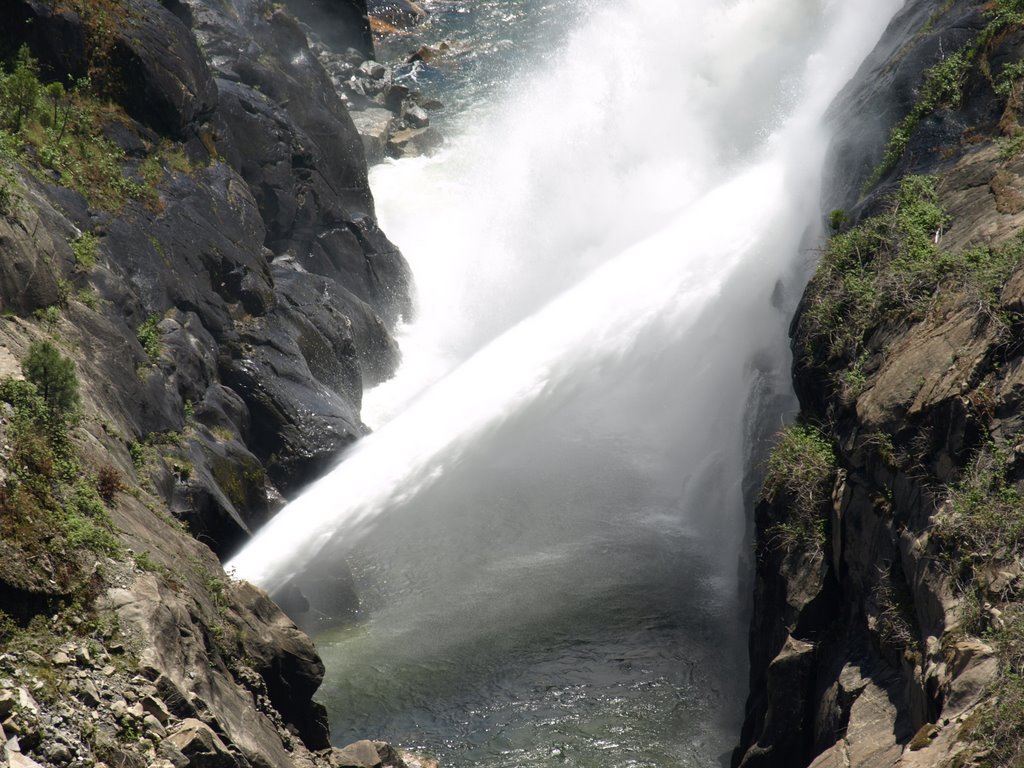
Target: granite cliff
(185, 217)
(887, 617)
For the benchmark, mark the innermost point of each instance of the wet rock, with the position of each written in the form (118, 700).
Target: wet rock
(373, 69)
(400, 13)
(374, 126)
(340, 24)
(285, 658)
(223, 499)
(361, 754)
(394, 98)
(167, 83)
(416, 116)
(414, 142)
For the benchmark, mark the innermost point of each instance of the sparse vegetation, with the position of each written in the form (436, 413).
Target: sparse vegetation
(888, 269)
(944, 83)
(56, 129)
(943, 87)
(896, 623)
(980, 528)
(999, 728)
(44, 502)
(109, 483)
(149, 336)
(85, 248)
(983, 518)
(799, 471)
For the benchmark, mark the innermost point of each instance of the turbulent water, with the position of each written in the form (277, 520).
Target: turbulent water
(547, 529)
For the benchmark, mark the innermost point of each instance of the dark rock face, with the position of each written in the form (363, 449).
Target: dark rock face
(31, 267)
(222, 338)
(341, 24)
(286, 660)
(858, 656)
(278, 192)
(886, 88)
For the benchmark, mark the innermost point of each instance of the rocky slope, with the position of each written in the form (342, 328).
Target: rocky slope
(888, 616)
(184, 215)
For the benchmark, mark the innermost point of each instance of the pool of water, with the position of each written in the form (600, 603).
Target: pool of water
(575, 619)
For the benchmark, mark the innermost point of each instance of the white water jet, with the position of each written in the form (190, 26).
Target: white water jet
(698, 120)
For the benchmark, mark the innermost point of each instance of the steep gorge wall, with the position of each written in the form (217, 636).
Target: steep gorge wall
(198, 237)
(887, 584)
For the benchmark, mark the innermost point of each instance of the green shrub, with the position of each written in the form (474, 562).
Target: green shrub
(889, 269)
(45, 503)
(943, 87)
(799, 472)
(837, 220)
(53, 376)
(9, 196)
(149, 336)
(85, 248)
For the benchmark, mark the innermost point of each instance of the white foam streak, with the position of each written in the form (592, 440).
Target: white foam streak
(655, 281)
(527, 232)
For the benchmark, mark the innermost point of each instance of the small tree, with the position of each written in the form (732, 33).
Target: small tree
(21, 89)
(53, 376)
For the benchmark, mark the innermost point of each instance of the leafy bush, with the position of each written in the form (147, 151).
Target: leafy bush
(44, 502)
(799, 472)
(149, 336)
(85, 248)
(53, 376)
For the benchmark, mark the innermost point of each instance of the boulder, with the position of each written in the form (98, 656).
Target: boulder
(413, 142)
(416, 116)
(203, 748)
(374, 126)
(360, 754)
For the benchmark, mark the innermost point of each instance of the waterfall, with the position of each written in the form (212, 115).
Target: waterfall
(546, 526)
(694, 128)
